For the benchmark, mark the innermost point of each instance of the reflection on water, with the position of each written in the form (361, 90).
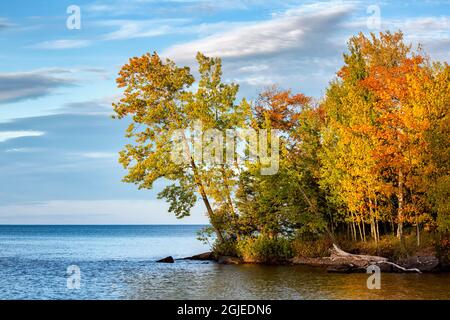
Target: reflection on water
(194, 280)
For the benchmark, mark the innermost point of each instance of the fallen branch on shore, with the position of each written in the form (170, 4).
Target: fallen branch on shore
(402, 268)
(338, 261)
(363, 261)
(337, 253)
(343, 262)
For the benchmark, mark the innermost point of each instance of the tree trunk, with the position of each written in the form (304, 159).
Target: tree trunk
(331, 220)
(354, 235)
(205, 199)
(350, 231)
(418, 234)
(353, 227)
(377, 229)
(400, 205)
(373, 230)
(201, 190)
(360, 231)
(363, 225)
(228, 192)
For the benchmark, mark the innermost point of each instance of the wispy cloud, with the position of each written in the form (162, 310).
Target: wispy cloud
(17, 86)
(4, 23)
(139, 7)
(295, 29)
(98, 106)
(62, 44)
(433, 32)
(22, 150)
(126, 211)
(8, 135)
(292, 48)
(121, 30)
(97, 155)
(132, 29)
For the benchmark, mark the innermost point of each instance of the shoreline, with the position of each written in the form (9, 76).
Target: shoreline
(335, 263)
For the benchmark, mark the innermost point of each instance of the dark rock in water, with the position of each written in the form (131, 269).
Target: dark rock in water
(202, 256)
(229, 260)
(168, 259)
(423, 263)
(385, 267)
(340, 268)
(444, 266)
(350, 268)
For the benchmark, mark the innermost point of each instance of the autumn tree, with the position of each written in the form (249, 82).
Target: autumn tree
(429, 98)
(160, 100)
(371, 157)
(290, 201)
(347, 173)
(384, 116)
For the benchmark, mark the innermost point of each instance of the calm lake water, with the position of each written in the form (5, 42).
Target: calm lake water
(117, 262)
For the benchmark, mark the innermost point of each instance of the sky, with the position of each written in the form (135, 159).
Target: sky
(58, 144)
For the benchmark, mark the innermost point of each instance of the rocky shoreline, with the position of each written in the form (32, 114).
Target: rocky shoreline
(338, 262)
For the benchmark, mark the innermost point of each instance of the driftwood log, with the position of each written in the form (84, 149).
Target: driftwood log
(341, 256)
(343, 262)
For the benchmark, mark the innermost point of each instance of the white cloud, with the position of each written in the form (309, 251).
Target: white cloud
(301, 48)
(22, 150)
(120, 7)
(292, 48)
(257, 80)
(98, 155)
(131, 29)
(253, 68)
(292, 30)
(432, 32)
(123, 30)
(62, 44)
(124, 211)
(8, 135)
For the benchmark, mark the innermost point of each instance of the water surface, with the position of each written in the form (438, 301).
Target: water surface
(118, 262)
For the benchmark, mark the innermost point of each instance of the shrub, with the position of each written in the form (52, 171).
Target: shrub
(312, 248)
(263, 249)
(226, 248)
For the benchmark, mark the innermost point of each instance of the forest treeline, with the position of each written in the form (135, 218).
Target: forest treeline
(368, 161)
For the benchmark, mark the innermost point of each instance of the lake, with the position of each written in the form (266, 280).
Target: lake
(118, 262)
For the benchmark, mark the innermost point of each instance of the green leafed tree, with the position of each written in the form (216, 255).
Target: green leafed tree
(161, 99)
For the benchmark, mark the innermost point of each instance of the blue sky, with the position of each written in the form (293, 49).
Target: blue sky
(58, 144)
